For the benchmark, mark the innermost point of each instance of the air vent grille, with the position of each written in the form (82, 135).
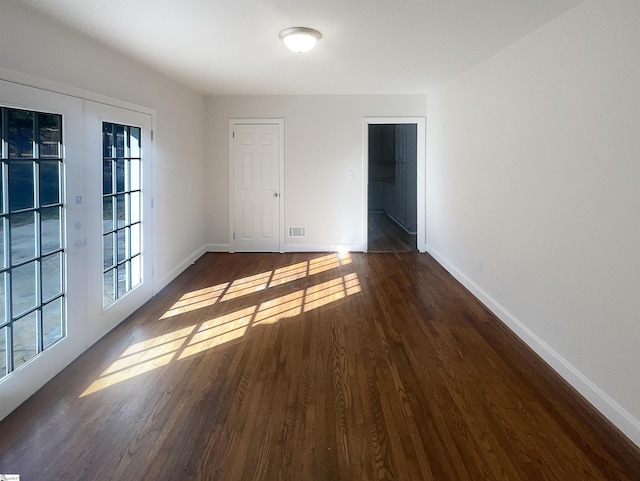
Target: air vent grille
(297, 231)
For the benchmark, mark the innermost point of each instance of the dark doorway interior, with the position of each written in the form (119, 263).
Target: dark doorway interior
(392, 196)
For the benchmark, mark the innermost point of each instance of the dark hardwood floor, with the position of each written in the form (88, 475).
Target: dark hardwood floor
(385, 235)
(309, 367)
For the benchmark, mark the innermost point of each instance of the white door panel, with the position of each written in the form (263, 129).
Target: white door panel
(256, 187)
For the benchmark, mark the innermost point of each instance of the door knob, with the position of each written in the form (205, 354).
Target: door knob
(275, 194)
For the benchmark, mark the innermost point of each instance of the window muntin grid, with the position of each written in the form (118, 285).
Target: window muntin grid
(121, 210)
(32, 297)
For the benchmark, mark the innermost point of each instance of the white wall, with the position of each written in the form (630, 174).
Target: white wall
(34, 45)
(533, 200)
(323, 141)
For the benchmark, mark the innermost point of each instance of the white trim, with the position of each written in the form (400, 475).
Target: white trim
(613, 411)
(217, 247)
(232, 220)
(324, 248)
(265, 121)
(421, 153)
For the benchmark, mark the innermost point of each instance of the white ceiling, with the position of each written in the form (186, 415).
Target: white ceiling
(368, 46)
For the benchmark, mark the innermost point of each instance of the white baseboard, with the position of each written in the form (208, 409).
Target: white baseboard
(604, 403)
(166, 279)
(323, 247)
(217, 247)
(297, 247)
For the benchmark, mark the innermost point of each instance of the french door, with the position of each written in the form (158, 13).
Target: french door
(42, 292)
(119, 249)
(75, 230)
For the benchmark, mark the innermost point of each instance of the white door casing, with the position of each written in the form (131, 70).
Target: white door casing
(420, 123)
(256, 159)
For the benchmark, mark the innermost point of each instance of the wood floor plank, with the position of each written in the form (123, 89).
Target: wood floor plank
(307, 367)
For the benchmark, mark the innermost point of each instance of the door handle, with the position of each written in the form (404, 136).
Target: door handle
(275, 194)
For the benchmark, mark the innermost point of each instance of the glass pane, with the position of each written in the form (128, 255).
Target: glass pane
(120, 177)
(121, 184)
(51, 276)
(134, 142)
(107, 177)
(136, 271)
(109, 259)
(123, 244)
(3, 208)
(121, 209)
(52, 322)
(107, 214)
(107, 140)
(49, 182)
(109, 291)
(3, 351)
(20, 123)
(121, 140)
(23, 237)
(24, 287)
(136, 241)
(21, 185)
(123, 279)
(50, 230)
(25, 339)
(134, 170)
(3, 297)
(135, 206)
(50, 135)
(3, 262)
(30, 235)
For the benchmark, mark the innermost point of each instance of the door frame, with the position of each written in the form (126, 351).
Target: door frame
(264, 121)
(421, 163)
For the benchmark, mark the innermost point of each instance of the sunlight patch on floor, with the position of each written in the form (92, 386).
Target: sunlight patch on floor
(247, 285)
(196, 300)
(220, 330)
(159, 351)
(140, 358)
(282, 307)
(255, 283)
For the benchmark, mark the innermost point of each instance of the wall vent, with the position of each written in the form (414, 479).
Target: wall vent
(296, 231)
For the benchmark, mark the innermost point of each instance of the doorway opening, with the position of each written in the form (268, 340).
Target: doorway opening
(392, 194)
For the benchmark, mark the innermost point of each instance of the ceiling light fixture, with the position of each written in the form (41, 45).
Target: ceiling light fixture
(300, 39)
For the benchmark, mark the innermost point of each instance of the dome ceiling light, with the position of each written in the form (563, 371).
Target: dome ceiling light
(300, 39)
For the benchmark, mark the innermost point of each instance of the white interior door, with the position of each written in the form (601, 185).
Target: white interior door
(256, 198)
(118, 211)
